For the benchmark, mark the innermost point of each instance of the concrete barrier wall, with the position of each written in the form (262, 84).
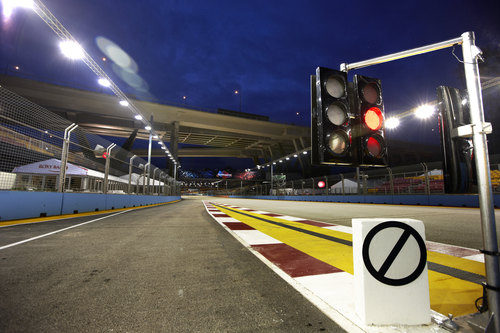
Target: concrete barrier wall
(20, 204)
(458, 200)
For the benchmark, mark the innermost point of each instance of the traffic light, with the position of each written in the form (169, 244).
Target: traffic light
(457, 151)
(331, 119)
(368, 107)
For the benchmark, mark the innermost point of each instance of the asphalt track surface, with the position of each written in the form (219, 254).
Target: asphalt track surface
(169, 268)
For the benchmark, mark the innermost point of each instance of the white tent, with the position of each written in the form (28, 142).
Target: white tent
(349, 187)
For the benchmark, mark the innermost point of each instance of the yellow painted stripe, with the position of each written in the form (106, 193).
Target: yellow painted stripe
(447, 294)
(69, 216)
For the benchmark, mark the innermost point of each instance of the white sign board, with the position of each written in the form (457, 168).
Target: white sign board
(390, 272)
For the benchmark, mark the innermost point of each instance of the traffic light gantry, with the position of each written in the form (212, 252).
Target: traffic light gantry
(347, 120)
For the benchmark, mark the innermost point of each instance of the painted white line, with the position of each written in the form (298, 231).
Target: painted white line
(60, 230)
(476, 257)
(225, 219)
(256, 237)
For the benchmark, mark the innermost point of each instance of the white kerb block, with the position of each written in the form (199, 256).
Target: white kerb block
(391, 283)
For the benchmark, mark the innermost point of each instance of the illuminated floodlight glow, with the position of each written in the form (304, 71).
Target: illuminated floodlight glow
(274, 163)
(104, 82)
(295, 155)
(305, 153)
(138, 117)
(424, 111)
(10, 5)
(281, 161)
(392, 123)
(464, 101)
(71, 49)
(163, 148)
(147, 128)
(287, 158)
(156, 137)
(126, 103)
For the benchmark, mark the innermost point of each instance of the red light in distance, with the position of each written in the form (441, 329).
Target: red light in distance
(105, 155)
(374, 118)
(321, 184)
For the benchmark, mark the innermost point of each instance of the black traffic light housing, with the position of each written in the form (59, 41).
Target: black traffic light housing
(457, 151)
(368, 107)
(331, 119)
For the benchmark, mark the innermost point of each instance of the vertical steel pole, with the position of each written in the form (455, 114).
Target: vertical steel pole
(272, 168)
(144, 178)
(149, 152)
(391, 181)
(326, 185)
(106, 167)
(343, 183)
(64, 155)
(490, 241)
(154, 178)
(129, 190)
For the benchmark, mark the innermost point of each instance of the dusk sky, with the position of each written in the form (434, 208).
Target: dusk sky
(205, 50)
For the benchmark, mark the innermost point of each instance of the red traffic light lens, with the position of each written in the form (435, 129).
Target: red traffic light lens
(373, 118)
(374, 146)
(105, 155)
(338, 142)
(335, 86)
(370, 93)
(321, 184)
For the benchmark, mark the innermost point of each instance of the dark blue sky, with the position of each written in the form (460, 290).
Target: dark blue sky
(266, 49)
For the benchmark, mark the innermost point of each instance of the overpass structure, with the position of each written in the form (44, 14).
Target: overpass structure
(212, 134)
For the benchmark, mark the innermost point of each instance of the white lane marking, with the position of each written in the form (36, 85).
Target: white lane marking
(60, 230)
(476, 257)
(255, 237)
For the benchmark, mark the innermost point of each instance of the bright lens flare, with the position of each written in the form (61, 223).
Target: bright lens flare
(424, 111)
(104, 82)
(392, 123)
(10, 5)
(71, 49)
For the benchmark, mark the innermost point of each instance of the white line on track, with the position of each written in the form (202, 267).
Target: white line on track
(60, 230)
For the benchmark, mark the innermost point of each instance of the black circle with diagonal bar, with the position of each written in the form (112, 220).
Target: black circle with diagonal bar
(407, 232)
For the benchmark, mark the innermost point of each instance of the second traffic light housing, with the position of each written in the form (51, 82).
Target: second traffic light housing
(368, 107)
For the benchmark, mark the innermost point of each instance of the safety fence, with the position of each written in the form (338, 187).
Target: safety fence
(424, 178)
(42, 151)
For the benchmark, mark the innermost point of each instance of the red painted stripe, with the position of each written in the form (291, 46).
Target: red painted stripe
(272, 214)
(294, 262)
(451, 250)
(238, 226)
(220, 215)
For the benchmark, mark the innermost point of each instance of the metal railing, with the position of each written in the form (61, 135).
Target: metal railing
(41, 151)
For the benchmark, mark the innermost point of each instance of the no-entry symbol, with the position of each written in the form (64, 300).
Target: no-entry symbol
(381, 273)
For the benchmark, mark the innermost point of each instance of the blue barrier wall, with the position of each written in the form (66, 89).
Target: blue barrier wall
(20, 204)
(456, 200)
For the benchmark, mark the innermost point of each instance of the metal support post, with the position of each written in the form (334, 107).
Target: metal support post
(471, 53)
(64, 156)
(391, 181)
(343, 183)
(106, 168)
(130, 167)
(146, 167)
(427, 181)
(149, 152)
(326, 185)
(272, 168)
(154, 178)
